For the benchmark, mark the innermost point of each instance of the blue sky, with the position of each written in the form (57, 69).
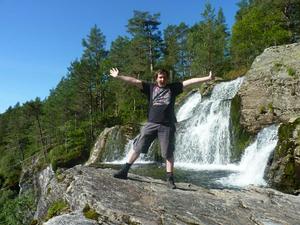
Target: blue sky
(39, 39)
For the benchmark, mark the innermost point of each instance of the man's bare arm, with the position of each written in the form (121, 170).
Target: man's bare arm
(196, 80)
(114, 72)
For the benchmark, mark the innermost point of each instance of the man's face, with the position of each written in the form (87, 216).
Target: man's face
(161, 80)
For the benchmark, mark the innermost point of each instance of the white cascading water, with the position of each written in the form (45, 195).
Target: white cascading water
(186, 110)
(203, 139)
(203, 136)
(143, 159)
(254, 161)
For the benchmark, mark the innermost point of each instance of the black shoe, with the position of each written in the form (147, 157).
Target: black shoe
(123, 173)
(170, 182)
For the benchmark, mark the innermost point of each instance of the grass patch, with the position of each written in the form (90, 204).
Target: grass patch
(90, 213)
(271, 107)
(57, 208)
(291, 72)
(262, 109)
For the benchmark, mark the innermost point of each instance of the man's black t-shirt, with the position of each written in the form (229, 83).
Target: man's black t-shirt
(162, 101)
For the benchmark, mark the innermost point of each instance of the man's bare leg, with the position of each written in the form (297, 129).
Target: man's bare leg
(132, 156)
(170, 165)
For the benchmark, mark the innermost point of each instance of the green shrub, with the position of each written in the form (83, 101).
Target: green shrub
(62, 157)
(16, 210)
(233, 74)
(262, 109)
(10, 170)
(271, 107)
(71, 153)
(90, 213)
(291, 72)
(57, 208)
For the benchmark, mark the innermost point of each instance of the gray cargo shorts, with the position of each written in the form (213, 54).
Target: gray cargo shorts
(165, 135)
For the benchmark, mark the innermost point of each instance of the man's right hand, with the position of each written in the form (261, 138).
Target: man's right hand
(211, 76)
(114, 72)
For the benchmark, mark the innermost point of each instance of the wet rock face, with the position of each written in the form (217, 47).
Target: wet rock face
(111, 143)
(284, 170)
(270, 92)
(142, 200)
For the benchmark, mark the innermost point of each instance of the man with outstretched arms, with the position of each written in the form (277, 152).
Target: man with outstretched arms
(161, 118)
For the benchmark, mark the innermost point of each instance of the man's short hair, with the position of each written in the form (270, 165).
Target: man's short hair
(161, 71)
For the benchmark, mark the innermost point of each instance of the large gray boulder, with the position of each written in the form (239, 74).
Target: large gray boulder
(142, 200)
(75, 218)
(270, 92)
(110, 144)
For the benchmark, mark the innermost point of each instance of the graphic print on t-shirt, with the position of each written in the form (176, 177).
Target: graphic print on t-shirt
(161, 96)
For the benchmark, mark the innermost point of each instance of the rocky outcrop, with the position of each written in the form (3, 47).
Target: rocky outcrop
(44, 178)
(270, 92)
(142, 200)
(284, 170)
(111, 143)
(75, 218)
(29, 175)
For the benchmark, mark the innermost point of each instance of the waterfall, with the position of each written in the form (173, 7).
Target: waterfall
(203, 135)
(254, 161)
(203, 138)
(186, 110)
(143, 159)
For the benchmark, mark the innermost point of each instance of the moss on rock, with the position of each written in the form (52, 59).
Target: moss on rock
(115, 141)
(240, 138)
(90, 213)
(284, 172)
(57, 208)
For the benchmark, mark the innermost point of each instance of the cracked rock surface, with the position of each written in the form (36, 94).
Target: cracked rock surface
(143, 200)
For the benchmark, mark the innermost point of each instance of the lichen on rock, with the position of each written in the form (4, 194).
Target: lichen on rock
(284, 170)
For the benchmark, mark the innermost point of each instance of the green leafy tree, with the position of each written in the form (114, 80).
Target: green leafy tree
(132, 107)
(291, 12)
(35, 109)
(16, 210)
(89, 73)
(16, 144)
(146, 41)
(260, 24)
(207, 42)
(176, 55)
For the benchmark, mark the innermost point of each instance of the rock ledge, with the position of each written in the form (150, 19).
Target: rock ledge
(143, 200)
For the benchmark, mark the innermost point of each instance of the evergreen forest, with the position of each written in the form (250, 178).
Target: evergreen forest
(62, 128)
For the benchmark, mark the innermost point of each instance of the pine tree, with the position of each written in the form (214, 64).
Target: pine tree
(146, 41)
(176, 58)
(132, 108)
(35, 108)
(207, 42)
(261, 24)
(88, 75)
